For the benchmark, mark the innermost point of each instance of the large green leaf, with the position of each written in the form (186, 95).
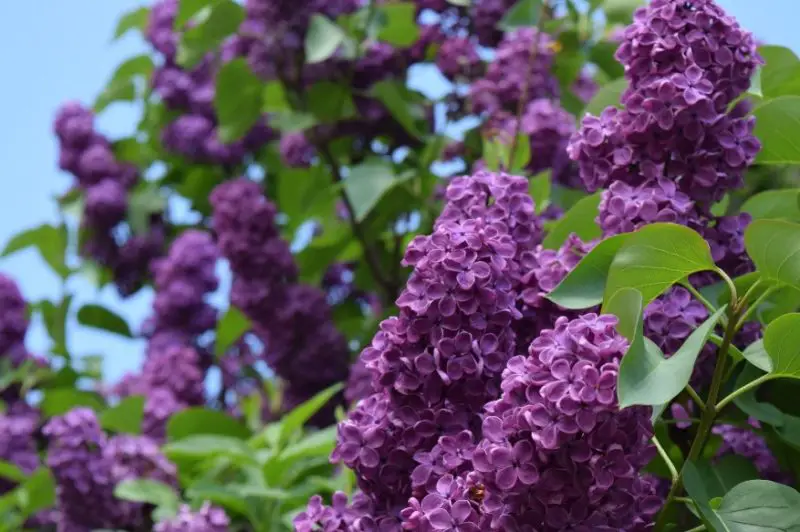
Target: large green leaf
(608, 96)
(202, 421)
(584, 286)
(781, 204)
(395, 97)
(627, 306)
(230, 328)
(54, 316)
(655, 257)
(125, 417)
(50, 241)
(778, 129)
(723, 474)
(132, 20)
(59, 401)
(400, 26)
(774, 246)
(98, 317)
(760, 505)
(330, 102)
(367, 183)
(782, 343)
(757, 355)
(150, 491)
(294, 420)
(39, 492)
(322, 38)
(539, 187)
(201, 446)
(647, 378)
(145, 201)
(210, 27)
(580, 219)
(697, 489)
(780, 76)
(525, 13)
(237, 100)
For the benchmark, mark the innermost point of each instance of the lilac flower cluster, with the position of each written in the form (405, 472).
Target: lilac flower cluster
(745, 442)
(105, 184)
(207, 519)
(87, 465)
(685, 63)
(265, 288)
(173, 373)
(194, 133)
(17, 444)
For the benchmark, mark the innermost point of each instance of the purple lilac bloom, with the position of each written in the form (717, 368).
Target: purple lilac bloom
(749, 444)
(549, 128)
(265, 289)
(18, 444)
(296, 151)
(339, 516)
(624, 209)
(458, 58)
(13, 315)
(207, 519)
(685, 63)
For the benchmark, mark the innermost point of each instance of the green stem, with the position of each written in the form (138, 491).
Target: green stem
(752, 308)
(750, 291)
(731, 287)
(744, 389)
(695, 397)
(710, 412)
(684, 500)
(663, 453)
(697, 529)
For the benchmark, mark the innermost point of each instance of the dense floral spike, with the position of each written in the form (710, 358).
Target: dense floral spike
(685, 63)
(513, 75)
(265, 289)
(105, 184)
(206, 519)
(82, 473)
(18, 444)
(557, 452)
(549, 128)
(748, 444)
(13, 315)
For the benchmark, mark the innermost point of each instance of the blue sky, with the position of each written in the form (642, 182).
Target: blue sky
(58, 50)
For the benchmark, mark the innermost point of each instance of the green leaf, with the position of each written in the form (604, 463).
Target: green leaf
(580, 219)
(755, 84)
(627, 305)
(722, 475)
(647, 378)
(11, 472)
(39, 492)
(697, 490)
(749, 403)
(144, 202)
(495, 154)
(394, 96)
(583, 287)
(781, 204)
(200, 446)
(98, 317)
(125, 417)
(778, 128)
(318, 444)
(274, 98)
(756, 354)
(121, 86)
(525, 13)
(368, 183)
(539, 188)
(212, 26)
(522, 154)
(237, 100)
(229, 329)
(602, 55)
(290, 121)
(50, 241)
(400, 24)
(657, 256)
(774, 246)
(120, 91)
(201, 421)
(150, 491)
(59, 401)
(780, 76)
(330, 102)
(760, 505)
(608, 96)
(322, 39)
(132, 20)
(620, 11)
(55, 321)
(782, 343)
(294, 420)
(187, 9)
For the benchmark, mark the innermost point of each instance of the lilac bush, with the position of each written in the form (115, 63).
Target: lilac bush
(377, 302)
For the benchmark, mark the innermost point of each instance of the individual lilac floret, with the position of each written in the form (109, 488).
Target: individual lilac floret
(296, 150)
(624, 209)
(13, 315)
(458, 58)
(207, 519)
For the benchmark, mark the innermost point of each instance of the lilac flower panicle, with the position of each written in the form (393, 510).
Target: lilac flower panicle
(18, 444)
(458, 57)
(549, 128)
(207, 519)
(13, 315)
(748, 444)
